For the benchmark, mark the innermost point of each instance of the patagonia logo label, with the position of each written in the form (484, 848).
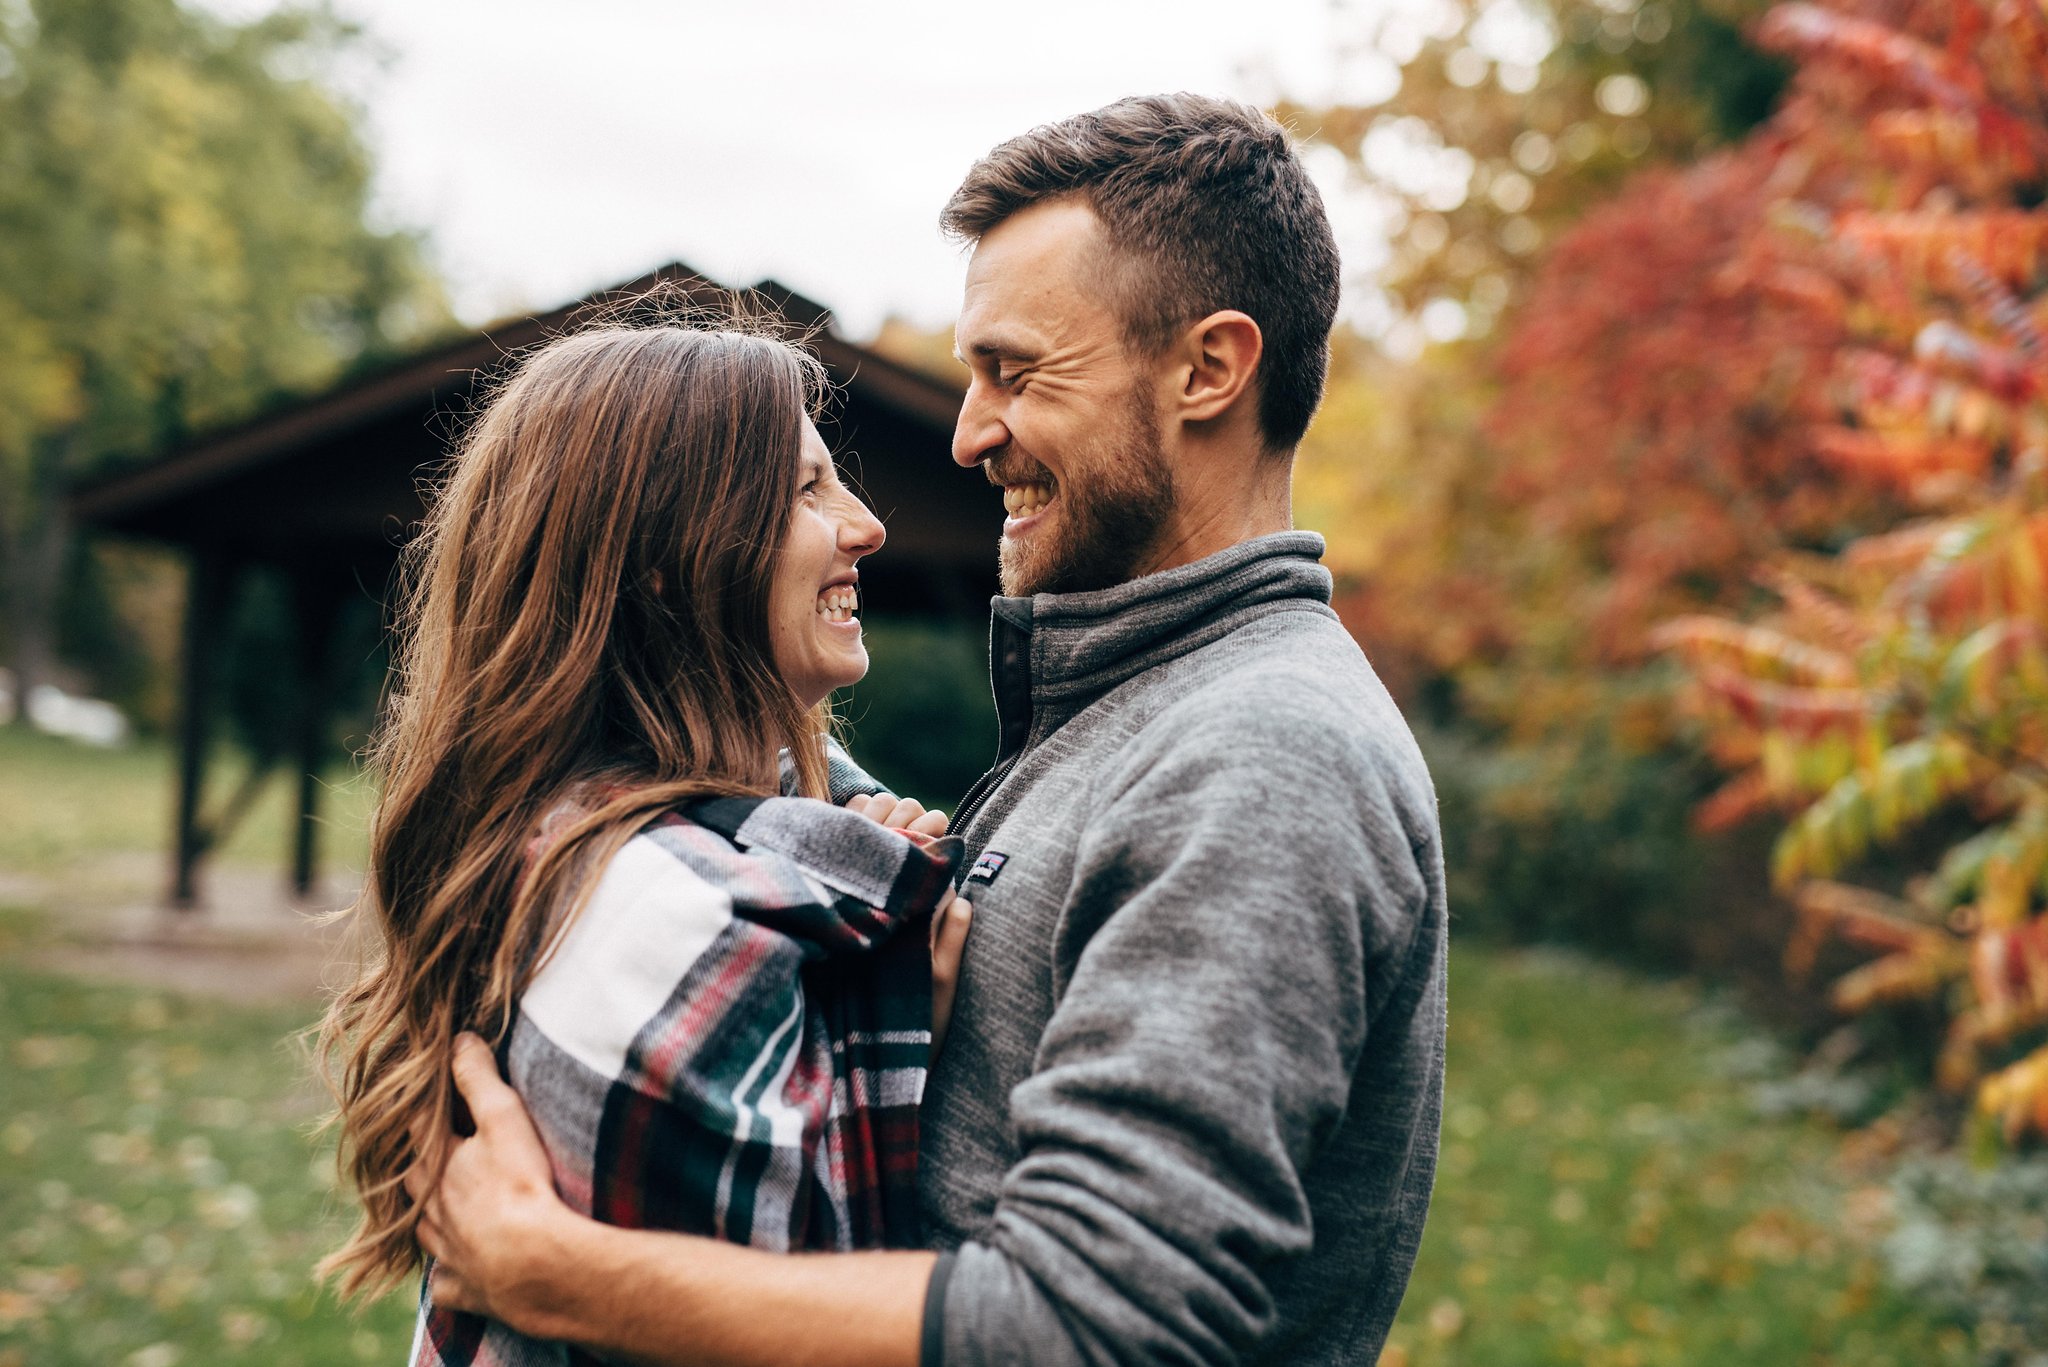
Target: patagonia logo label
(987, 867)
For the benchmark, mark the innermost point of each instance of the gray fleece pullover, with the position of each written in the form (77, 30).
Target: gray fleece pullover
(1188, 1109)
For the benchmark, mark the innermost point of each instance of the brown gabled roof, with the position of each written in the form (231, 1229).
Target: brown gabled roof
(147, 499)
(331, 485)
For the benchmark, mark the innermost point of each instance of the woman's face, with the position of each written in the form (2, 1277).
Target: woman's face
(813, 602)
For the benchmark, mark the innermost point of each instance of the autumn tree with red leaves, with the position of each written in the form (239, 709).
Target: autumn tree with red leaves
(1803, 381)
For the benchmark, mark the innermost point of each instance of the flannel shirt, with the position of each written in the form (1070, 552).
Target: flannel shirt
(730, 1040)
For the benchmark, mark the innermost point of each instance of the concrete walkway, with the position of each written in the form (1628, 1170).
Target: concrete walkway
(252, 941)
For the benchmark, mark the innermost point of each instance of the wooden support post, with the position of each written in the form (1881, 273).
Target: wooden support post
(315, 606)
(206, 594)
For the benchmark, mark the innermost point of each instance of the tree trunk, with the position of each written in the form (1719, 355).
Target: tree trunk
(35, 544)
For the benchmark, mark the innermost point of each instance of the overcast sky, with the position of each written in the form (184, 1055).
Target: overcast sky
(553, 148)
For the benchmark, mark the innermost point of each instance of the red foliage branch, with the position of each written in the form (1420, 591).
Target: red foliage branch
(1818, 362)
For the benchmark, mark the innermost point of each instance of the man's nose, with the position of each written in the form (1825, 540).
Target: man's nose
(979, 430)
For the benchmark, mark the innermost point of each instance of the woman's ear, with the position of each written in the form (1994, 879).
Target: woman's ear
(1220, 356)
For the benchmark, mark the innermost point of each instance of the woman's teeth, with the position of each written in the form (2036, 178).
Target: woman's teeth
(1022, 500)
(839, 603)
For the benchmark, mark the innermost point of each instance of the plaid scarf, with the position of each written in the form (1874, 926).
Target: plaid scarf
(731, 1040)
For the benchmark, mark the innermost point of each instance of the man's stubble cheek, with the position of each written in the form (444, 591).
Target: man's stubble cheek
(1114, 515)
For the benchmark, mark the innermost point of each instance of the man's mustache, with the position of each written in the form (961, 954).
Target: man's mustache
(1006, 467)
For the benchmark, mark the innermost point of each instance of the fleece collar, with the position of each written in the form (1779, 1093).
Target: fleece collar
(1052, 654)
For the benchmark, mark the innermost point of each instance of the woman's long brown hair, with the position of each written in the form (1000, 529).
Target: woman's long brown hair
(586, 610)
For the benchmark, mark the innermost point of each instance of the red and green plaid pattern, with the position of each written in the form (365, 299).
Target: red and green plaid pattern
(731, 1041)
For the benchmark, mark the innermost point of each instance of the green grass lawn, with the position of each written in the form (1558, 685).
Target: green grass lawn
(61, 802)
(1607, 1195)
(160, 1199)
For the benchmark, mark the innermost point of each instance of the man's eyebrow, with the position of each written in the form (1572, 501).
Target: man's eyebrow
(998, 348)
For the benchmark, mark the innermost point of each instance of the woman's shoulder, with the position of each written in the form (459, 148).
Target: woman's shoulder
(615, 966)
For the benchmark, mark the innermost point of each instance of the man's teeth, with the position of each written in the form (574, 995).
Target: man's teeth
(1022, 500)
(839, 604)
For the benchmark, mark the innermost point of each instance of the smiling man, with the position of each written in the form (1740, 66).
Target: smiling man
(1187, 1111)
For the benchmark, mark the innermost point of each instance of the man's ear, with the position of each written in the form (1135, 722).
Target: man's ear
(1219, 361)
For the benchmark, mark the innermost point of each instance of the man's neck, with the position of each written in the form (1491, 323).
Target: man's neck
(1209, 518)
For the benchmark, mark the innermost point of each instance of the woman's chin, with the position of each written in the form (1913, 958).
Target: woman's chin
(856, 667)
(820, 686)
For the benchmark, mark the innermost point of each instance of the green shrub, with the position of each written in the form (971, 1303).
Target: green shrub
(1574, 843)
(1974, 1242)
(923, 720)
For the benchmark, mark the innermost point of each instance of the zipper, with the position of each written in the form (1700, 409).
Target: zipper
(979, 794)
(1009, 674)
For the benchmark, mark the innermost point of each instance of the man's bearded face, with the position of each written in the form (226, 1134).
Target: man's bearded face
(1092, 525)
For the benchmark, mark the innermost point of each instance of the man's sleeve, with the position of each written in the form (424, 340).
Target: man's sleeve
(1234, 897)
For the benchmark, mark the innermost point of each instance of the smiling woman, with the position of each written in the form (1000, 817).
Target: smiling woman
(630, 598)
(816, 593)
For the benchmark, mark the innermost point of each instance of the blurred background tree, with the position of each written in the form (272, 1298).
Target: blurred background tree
(185, 234)
(1654, 347)
(1479, 582)
(1895, 680)
(1492, 125)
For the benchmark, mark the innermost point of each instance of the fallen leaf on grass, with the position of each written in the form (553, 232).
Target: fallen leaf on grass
(1649, 1320)
(244, 1327)
(119, 1150)
(219, 1112)
(1774, 1236)
(1867, 1213)
(228, 1207)
(16, 1308)
(47, 1284)
(53, 1051)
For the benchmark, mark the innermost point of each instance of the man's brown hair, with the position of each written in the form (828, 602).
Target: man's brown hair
(1209, 207)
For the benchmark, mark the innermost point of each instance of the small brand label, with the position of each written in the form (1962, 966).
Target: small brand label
(987, 867)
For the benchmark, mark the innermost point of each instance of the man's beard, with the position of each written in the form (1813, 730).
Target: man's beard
(1106, 519)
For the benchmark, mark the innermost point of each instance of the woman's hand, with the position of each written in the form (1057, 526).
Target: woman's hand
(949, 922)
(901, 813)
(949, 941)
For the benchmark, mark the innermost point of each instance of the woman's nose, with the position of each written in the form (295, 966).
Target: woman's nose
(860, 531)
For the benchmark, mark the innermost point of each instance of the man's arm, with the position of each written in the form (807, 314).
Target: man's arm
(507, 1247)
